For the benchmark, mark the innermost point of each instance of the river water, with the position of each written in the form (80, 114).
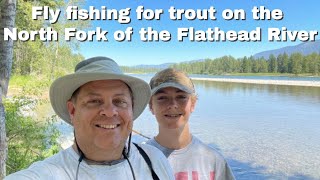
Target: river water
(264, 131)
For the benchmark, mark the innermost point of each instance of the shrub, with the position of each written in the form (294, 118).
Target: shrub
(29, 140)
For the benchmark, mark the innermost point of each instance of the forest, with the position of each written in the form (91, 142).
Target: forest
(294, 64)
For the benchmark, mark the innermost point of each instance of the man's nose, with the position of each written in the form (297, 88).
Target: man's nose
(109, 110)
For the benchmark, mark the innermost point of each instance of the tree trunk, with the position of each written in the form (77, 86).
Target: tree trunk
(7, 18)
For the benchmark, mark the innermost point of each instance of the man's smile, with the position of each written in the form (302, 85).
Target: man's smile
(108, 126)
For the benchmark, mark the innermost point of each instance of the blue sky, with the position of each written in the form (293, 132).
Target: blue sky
(298, 15)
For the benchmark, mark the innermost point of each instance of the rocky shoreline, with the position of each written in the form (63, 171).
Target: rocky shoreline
(264, 81)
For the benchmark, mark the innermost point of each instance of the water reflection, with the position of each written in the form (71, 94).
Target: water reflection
(303, 92)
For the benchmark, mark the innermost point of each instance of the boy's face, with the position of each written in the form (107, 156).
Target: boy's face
(172, 107)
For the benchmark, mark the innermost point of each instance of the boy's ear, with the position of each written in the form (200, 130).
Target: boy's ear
(193, 103)
(150, 107)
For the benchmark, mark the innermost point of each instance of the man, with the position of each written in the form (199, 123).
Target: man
(100, 102)
(172, 102)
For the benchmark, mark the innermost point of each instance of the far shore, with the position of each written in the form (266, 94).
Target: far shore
(263, 81)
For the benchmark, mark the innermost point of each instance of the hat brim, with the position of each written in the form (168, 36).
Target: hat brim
(171, 84)
(62, 89)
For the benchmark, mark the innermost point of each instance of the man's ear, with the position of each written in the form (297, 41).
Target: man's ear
(71, 109)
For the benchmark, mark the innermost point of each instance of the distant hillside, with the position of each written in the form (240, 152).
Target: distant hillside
(159, 66)
(303, 48)
(163, 66)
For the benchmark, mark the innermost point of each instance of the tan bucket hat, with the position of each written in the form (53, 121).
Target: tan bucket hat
(96, 68)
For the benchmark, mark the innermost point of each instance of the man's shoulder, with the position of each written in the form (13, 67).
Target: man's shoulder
(151, 142)
(158, 160)
(149, 149)
(37, 170)
(154, 154)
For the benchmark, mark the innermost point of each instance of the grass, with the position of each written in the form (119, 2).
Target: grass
(35, 86)
(19, 81)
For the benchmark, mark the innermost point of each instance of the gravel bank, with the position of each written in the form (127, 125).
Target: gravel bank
(264, 81)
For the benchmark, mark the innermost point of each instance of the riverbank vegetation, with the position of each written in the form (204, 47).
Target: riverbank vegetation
(32, 137)
(29, 139)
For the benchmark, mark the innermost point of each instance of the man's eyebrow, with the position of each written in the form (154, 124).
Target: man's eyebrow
(97, 94)
(121, 94)
(93, 94)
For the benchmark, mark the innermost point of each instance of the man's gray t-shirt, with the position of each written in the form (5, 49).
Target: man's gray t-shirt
(63, 165)
(196, 161)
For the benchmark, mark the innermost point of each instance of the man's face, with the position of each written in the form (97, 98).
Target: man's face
(172, 107)
(101, 114)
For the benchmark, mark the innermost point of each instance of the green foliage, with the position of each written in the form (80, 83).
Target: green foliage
(51, 59)
(313, 63)
(29, 140)
(29, 85)
(296, 63)
(16, 81)
(273, 65)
